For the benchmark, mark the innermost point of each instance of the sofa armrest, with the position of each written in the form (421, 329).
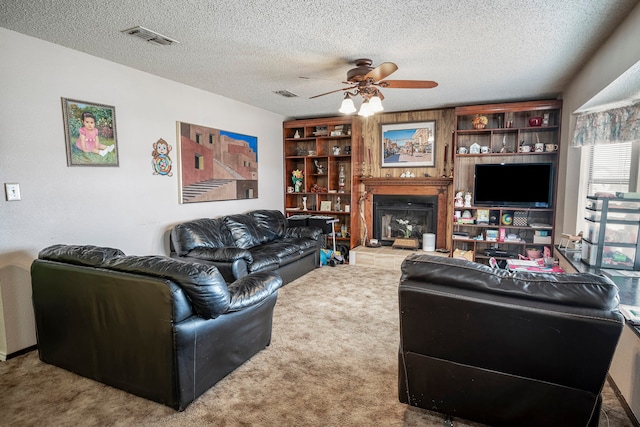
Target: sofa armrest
(233, 263)
(230, 270)
(88, 255)
(252, 289)
(203, 284)
(306, 232)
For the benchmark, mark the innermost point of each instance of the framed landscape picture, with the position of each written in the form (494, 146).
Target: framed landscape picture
(408, 144)
(90, 133)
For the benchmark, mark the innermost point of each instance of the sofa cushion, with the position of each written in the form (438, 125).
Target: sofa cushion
(200, 233)
(263, 261)
(270, 224)
(243, 229)
(203, 284)
(304, 245)
(285, 252)
(88, 255)
(580, 290)
(221, 254)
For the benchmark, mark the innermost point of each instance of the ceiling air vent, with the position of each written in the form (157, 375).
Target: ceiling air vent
(285, 93)
(150, 36)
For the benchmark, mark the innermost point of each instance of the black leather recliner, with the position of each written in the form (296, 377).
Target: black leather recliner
(505, 349)
(160, 328)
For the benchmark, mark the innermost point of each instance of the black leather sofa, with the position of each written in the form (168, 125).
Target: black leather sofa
(240, 244)
(505, 349)
(160, 328)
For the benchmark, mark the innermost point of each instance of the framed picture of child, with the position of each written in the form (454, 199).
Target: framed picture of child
(90, 133)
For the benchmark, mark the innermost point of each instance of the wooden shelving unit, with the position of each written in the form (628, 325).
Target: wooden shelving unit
(321, 148)
(507, 129)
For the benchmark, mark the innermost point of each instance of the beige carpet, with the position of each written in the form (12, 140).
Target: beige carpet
(332, 362)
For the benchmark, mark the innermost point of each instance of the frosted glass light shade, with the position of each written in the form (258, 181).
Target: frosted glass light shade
(375, 104)
(365, 109)
(347, 106)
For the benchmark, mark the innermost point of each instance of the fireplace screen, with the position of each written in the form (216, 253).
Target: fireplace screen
(400, 216)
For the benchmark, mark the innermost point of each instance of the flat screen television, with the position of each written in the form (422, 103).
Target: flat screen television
(525, 185)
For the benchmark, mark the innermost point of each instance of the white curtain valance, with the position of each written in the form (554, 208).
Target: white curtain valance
(608, 127)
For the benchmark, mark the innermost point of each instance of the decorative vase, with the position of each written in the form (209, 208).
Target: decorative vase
(479, 126)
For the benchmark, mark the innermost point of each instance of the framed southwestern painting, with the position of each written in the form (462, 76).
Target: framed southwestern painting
(90, 133)
(408, 144)
(216, 164)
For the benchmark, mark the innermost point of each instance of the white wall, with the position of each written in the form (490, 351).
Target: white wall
(126, 207)
(619, 53)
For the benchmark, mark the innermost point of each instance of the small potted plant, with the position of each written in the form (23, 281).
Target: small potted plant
(296, 177)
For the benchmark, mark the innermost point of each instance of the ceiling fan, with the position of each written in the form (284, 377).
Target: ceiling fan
(366, 81)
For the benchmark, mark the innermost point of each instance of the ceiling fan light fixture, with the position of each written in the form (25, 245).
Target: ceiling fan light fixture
(365, 109)
(364, 80)
(347, 106)
(375, 103)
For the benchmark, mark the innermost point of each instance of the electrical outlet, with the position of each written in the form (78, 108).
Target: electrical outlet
(12, 190)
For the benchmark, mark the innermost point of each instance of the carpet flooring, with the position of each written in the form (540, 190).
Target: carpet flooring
(332, 362)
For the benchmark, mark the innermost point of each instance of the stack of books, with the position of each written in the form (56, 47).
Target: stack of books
(460, 235)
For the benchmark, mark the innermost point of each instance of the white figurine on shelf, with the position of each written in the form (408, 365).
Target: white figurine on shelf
(467, 200)
(459, 201)
(304, 203)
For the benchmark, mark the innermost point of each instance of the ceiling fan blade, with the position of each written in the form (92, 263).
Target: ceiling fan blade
(333, 91)
(320, 78)
(381, 71)
(408, 84)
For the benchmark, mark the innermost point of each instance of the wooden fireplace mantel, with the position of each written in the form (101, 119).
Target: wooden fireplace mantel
(426, 186)
(406, 182)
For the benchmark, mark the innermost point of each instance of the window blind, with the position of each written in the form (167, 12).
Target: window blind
(609, 168)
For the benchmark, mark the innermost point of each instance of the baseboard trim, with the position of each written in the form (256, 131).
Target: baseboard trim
(21, 352)
(623, 401)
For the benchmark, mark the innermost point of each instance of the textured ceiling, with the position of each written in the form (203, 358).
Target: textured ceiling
(488, 51)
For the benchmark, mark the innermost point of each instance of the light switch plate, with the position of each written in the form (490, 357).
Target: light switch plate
(12, 190)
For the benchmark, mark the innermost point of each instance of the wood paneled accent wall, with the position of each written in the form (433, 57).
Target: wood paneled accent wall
(372, 143)
(372, 135)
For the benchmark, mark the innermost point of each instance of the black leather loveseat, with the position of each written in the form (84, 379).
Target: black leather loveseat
(240, 244)
(505, 349)
(160, 328)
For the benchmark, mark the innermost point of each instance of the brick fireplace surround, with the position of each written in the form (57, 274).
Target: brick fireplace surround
(439, 187)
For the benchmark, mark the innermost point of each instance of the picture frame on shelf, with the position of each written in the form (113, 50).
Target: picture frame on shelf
(90, 133)
(325, 205)
(408, 144)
